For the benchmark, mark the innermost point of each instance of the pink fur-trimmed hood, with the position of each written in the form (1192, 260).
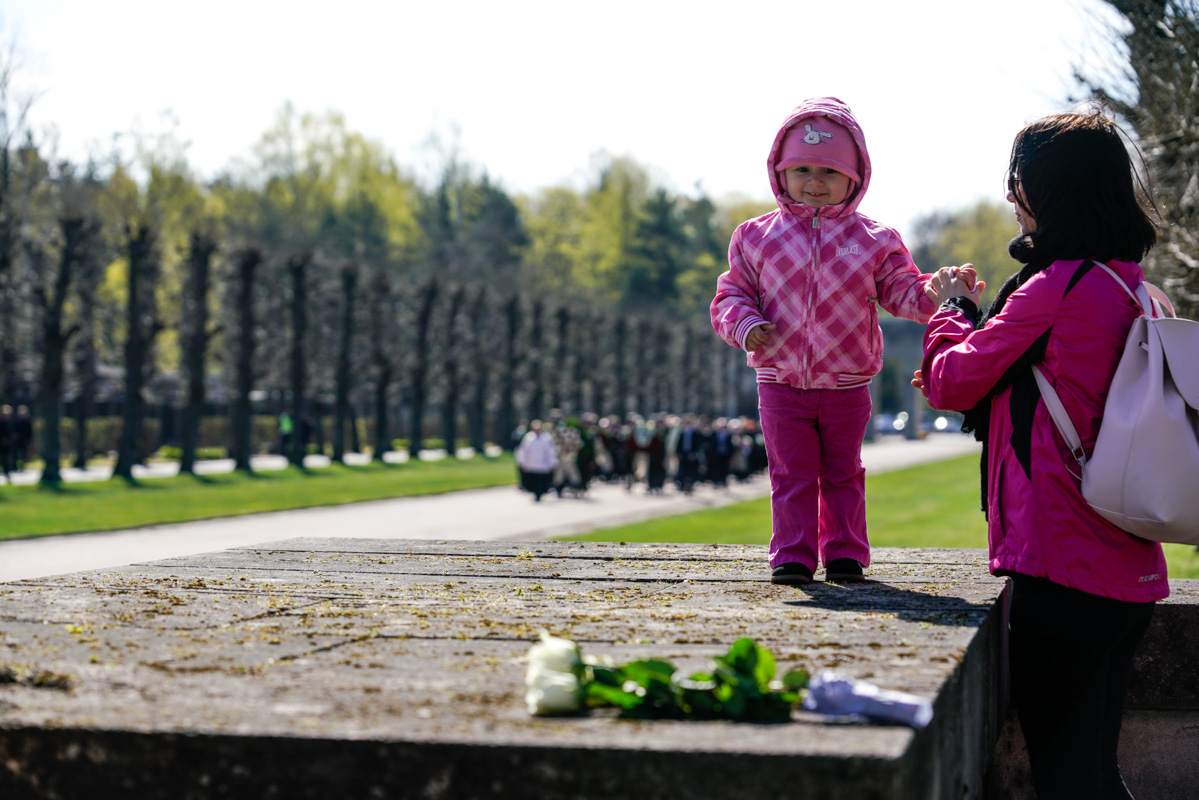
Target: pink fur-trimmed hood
(839, 112)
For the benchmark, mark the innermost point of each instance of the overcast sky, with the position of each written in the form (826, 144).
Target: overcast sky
(532, 91)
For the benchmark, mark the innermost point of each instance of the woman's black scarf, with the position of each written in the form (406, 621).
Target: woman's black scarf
(977, 420)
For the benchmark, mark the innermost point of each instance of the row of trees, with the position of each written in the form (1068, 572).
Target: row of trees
(325, 273)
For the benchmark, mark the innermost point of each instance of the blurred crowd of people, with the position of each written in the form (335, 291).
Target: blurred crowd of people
(565, 455)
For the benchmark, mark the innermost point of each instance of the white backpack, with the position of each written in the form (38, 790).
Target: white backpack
(1143, 475)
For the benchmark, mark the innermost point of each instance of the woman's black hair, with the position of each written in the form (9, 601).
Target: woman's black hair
(1072, 173)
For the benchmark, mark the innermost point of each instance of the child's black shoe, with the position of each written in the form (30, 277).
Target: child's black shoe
(792, 573)
(843, 570)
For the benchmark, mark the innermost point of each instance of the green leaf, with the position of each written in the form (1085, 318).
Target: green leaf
(701, 704)
(599, 694)
(796, 680)
(734, 704)
(764, 668)
(644, 672)
(743, 656)
(607, 676)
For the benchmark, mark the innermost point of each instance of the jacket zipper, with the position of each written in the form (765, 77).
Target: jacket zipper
(807, 355)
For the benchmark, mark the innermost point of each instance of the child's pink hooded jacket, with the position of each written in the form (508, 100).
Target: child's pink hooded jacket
(1038, 523)
(816, 274)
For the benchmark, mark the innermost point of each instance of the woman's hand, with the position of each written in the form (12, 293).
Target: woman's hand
(949, 282)
(918, 382)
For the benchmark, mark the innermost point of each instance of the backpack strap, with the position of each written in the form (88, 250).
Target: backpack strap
(1060, 417)
(1053, 403)
(1149, 307)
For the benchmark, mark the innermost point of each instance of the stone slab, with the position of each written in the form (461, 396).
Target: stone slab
(342, 667)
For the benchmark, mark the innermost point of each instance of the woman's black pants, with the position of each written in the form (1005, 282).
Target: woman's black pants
(1071, 655)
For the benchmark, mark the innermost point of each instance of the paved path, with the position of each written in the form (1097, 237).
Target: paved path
(501, 513)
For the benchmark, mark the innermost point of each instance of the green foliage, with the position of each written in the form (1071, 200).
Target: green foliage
(739, 687)
(554, 220)
(614, 210)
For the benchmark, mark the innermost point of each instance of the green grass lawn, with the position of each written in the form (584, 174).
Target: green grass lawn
(27, 511)
(901, 511)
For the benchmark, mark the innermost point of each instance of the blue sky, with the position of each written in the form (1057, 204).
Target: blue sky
(533, 91)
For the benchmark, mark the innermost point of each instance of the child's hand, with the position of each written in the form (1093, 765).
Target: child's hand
(949, 282)
(758, 337)
(969, 274)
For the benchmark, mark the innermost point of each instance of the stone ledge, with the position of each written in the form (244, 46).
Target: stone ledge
(316, 668)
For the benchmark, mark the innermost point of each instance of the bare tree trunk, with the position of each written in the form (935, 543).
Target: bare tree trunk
(195, 345)
(536, 381)
(620, 373)
(420, 366)
(481, 325)
(141, 241)
(453, 387)
(240, 424)
(341, 412)
(641, 367)
(54, 343)
(383, 370)
(561, 359)
(8, 237)
(297, 272)
(583, 346)
(85, 403)
(687, 377)
(663, 368)
(85, 361)
(506, 419)
(382, 444)
(355, 436)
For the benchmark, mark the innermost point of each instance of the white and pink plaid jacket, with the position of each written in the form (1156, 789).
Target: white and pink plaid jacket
(817, 275)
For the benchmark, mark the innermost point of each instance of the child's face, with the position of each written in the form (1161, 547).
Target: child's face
(816, 186)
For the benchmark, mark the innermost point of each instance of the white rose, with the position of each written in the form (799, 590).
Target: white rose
(552, 693)
(554, 655)
(553, 676)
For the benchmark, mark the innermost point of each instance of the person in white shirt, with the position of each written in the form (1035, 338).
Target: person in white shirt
(536, 457)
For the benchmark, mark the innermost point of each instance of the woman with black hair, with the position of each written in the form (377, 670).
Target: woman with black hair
(1082, 590)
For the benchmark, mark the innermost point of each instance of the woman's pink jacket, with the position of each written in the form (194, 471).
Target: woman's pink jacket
(1038, 522)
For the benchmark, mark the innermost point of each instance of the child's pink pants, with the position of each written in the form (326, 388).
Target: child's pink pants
(817, 481)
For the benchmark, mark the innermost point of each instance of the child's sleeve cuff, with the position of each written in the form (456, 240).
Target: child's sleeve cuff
(744, 327)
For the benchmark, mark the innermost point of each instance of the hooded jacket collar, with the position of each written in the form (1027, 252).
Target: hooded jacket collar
(836, 110)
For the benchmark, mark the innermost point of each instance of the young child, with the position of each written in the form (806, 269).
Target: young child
(799, 297)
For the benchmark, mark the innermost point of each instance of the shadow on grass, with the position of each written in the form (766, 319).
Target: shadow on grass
(140, 485)
(373, 466)
(207, 480)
